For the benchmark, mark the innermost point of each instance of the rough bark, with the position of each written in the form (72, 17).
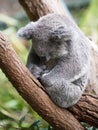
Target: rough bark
(31, 90)
(38, 8)
(86, 110)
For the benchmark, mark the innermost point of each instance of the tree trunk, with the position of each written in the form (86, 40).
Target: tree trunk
(38, 8)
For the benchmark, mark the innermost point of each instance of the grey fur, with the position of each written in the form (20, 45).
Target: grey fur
(59, 57)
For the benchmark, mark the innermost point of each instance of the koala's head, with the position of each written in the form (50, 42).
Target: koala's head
(51, 35)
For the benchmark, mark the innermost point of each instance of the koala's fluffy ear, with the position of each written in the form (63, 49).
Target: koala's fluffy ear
(60, 33)
(26, 32)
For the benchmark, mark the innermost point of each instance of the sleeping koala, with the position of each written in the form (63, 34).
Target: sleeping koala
(59, 57)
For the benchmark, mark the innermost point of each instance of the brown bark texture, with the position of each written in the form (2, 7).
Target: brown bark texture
(38, 8)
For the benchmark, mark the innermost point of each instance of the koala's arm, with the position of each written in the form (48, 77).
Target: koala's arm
(35, 63)
(63, 92)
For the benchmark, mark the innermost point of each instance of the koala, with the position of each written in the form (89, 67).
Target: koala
(59, 57)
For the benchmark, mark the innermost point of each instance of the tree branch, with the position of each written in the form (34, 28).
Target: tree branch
(38, 8)
(86, 110)
(30, 89)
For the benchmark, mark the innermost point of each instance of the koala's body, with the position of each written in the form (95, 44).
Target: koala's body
(59, 57)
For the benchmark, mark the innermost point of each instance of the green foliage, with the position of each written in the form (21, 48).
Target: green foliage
(87, 19)
(89, 22)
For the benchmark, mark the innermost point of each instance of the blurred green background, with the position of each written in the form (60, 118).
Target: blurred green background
(15, 113)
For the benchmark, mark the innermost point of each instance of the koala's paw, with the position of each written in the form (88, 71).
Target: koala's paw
(46, 80)
(36, 71)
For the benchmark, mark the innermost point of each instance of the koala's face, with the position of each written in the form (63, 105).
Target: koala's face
(45, 45)
(51, 39)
